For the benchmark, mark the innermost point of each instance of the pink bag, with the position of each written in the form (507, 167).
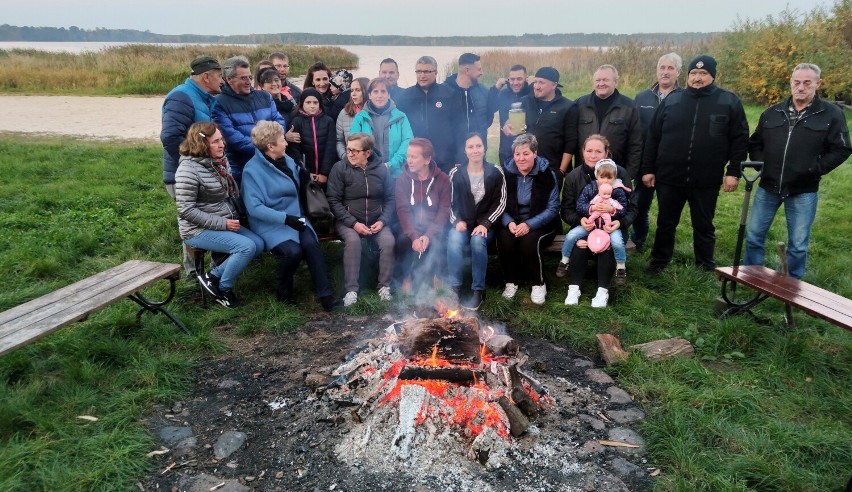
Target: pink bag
(598, 241)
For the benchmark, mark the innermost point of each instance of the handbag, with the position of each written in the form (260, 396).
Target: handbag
(317, 208)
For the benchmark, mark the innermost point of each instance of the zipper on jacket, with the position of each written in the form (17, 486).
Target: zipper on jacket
(366, 199)
(787, 145)
(692, 138)
(316, 144)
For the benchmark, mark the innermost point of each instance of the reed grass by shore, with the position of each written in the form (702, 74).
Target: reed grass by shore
(137, 69)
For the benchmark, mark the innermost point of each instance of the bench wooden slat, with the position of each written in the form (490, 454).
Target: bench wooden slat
(46, 314)
(809, 298)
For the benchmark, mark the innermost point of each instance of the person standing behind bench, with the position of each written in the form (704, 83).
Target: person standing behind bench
(799, 140)
(206, 193)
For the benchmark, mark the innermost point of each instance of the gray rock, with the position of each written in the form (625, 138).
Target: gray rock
(589, 448)
(610, 483)
(227, 443)
(627, 416)
(172, 435)
(583, 363)
(595, 423)
(185, 447)
(624, 468)
(618, 395)
(228, 383)
(203, 483)
(624, 434)
(598, 376)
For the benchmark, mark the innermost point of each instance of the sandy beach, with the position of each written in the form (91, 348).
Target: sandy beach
(100, 118)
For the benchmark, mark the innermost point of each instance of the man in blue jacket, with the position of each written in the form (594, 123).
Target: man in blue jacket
(186, 104)
(238, 109)
(799, 140)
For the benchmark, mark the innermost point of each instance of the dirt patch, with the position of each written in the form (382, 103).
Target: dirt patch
(280, 434)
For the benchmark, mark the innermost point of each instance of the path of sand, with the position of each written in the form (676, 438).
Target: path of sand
(90, 117)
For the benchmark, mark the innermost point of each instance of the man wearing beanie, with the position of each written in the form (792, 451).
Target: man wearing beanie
(693, 135)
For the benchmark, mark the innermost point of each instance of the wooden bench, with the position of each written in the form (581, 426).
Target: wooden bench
(39, 317)
(813, 300)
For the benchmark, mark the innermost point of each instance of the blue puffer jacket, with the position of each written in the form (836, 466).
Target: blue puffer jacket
(186, 104)
(270, 196)
(397, 135)
(237, 114)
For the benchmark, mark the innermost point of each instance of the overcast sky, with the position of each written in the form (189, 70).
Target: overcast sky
(410, 17)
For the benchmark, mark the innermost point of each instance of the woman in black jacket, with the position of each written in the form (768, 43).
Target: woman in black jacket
(478, 201)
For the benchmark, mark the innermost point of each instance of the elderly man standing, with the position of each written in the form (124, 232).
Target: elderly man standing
(389, 70)
(607, 112)
(799, 140)
(504, 98)
(647, 102)
(435, 113)
(552, 118)
(694, 133)
(238, 109)
(281, 62)
(479, 114)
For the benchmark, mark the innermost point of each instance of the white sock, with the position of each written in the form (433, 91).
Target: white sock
(564, 260)
(620, 266)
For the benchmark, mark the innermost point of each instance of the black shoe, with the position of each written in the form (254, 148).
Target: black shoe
(561, 269)
(654, 269)
(210, 283)
(330, 303)
(475, 300)
(620, 277)
(227, 298)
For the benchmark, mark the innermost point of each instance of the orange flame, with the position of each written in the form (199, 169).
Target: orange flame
(452, 313)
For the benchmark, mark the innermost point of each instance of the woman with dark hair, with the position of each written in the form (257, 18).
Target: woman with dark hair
(478, 202)
(206, 196)
(531, 219)
(319, 78)
(269, 81)
(316, 136)
(360, 192)
(272, 187)
(388, 125)
(259, 69)
(357, 96)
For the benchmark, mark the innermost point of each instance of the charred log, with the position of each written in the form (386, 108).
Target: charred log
(455, 340)
(519, 394)
(449, 374)
(518, 422)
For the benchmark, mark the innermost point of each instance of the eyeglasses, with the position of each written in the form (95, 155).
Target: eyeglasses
(424, 72)
(354, 151)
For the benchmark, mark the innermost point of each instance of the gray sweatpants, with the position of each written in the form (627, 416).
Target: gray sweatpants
(352, 256)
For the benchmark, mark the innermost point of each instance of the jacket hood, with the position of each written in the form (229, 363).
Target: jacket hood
(371, 108)
(540, 165)
(229, 91)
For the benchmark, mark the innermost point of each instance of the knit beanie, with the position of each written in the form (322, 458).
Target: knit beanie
(706, 62)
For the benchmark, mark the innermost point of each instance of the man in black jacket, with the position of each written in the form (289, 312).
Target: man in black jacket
(799, 140)
(607, 112)
(436, 113)
(693, 135)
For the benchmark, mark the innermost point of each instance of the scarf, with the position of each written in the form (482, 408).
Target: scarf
(220, 169)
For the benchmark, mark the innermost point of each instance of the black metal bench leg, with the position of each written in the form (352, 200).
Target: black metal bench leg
(726, 306)
(159, 307)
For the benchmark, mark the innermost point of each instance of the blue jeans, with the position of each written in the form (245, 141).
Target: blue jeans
(800, 211)
(616, 241)
(242, 246)
(457, 244)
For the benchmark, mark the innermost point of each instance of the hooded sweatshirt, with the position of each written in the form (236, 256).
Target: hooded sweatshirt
(423, 207)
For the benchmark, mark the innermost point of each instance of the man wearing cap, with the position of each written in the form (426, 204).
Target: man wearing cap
(184, 105)
(607, 112)
(799, 140)
(552, 118)
(479, 114)
(238, 109)
(693, 135)
(647, 102)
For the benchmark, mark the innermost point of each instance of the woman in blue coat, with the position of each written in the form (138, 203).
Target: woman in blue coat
(388, 125)
(272, 184)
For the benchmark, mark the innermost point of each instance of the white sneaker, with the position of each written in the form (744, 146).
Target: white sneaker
(385, 293)
(573, 297)
(539, 292)
(600, 300)
(350, 298)
(510, 291)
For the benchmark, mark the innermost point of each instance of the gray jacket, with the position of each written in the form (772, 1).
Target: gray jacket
(344, 124)
(202, 197)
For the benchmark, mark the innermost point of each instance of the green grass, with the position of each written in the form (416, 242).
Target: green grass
(758, 408)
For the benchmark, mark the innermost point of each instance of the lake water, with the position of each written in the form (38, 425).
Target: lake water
(369, 56)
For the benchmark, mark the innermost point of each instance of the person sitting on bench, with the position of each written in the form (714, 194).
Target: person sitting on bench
(206, 196)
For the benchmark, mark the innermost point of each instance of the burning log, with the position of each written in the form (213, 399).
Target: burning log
(502, 345)
(449, 374)
(519, 395)
(518, 422)
(455, 340)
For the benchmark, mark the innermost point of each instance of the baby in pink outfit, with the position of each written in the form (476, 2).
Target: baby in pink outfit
(604, 196)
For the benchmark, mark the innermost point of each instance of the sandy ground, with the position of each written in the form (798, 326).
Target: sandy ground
(136, 118)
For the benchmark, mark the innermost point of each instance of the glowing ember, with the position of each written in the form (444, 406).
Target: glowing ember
(452, 313)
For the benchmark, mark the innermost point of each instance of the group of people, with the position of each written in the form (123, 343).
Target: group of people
(405, 174)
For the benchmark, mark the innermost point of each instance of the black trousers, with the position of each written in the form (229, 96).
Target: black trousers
(520, 257)
(702, 209)
(579, 261)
